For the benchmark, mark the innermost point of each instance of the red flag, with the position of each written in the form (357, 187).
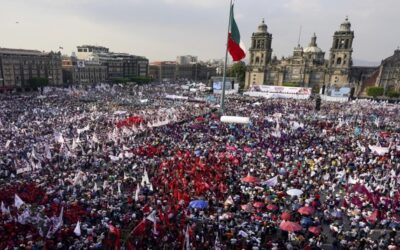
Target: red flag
(146, 209)
(140, 228)
(115, 231)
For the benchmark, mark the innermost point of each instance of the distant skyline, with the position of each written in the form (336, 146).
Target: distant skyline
(164, 29)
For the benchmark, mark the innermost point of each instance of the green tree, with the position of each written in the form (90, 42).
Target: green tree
(393, 94)
(291, 84)
(375, 91)
(37, 82)
(238, 70)
(141, 80)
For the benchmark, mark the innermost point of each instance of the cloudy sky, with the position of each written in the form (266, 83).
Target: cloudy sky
(163, 29)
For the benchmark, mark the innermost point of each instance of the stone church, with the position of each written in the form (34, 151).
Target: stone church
(306, 67)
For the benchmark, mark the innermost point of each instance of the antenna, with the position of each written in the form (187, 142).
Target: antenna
(298, 41)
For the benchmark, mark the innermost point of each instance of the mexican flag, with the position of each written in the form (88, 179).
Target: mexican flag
(235, 44)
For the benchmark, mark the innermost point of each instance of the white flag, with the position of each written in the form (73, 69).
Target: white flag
(23, 218)
(125, 176)
(60, 221)
(145, 179)
(351, 180)
(272, 182)
(94, 138)
(8, 144)
(83, 129)
(229, 201)
(137, 192)
(379, 150)
(48, 153)
(74, 144)
(114, 158)
(18, 202)
(152, 217)
(4, 210)
(58, 137)
(119, 188)
(78, 177)
(77, 230)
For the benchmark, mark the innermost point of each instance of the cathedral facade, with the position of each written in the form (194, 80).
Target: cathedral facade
(306, 67)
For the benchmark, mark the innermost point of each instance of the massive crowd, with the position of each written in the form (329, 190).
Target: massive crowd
(125, 168)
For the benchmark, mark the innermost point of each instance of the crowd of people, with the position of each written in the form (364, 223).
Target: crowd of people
(126, 168)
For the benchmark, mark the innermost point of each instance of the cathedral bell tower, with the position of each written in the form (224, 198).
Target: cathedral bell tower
(260, 56)
(340, 60)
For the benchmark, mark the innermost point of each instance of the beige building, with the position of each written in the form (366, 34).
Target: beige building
(83, 72)
(18, 67)
(306, 67)
(169, 70)
(119, 65)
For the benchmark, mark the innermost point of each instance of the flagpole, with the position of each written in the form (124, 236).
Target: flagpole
(226, 61)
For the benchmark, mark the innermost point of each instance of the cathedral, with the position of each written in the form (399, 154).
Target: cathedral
(306, 67)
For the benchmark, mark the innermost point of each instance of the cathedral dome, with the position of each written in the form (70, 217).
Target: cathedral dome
(312, 50)
(312, 47)
(262, 28)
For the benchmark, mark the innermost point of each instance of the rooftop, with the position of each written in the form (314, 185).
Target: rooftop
(22, 52)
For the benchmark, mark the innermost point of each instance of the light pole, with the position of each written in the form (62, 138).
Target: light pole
(222, 105)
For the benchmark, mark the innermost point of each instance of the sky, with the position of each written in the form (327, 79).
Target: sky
(164, 29)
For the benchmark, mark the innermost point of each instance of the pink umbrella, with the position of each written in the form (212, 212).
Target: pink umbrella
(315, 230)
(290, 226)
(285, 216)
(258, 204)
(250, 179)
(306, 210)
(373, 217)
(272, 207)
(247, 208)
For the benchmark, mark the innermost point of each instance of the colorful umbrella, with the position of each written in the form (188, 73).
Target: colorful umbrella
(290, 226)
(258, 204)
(306, 210)
(306, 221)
(337, 214)
(315, 230)
(272, 207)
(373, 217)
(198, 204)
(286, 216)
(247, 208)
(294, 192)
(250, 179)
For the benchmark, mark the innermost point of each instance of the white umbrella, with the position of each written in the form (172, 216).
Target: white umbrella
(294, 192)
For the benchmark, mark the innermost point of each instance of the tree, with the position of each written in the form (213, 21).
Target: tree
(291, 84)
(393, 94)
(238, 70)
(375, 91)
(141, 80)
(36, 82)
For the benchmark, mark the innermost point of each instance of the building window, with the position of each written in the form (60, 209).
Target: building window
(339, 61)
(346, 46)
